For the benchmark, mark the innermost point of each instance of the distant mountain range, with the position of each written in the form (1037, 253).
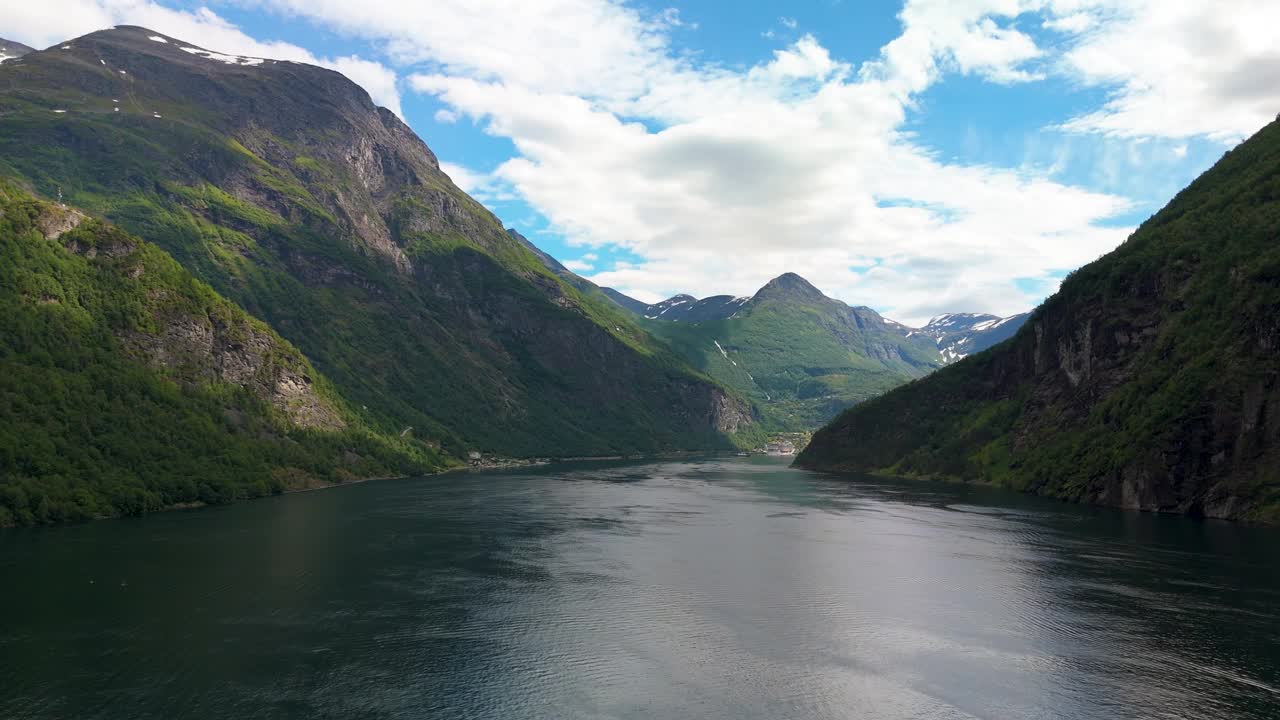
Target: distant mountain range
(956, 335)
(802, 356)
(959, 335)
(1151, 380)
(10, 50)
(687, 308)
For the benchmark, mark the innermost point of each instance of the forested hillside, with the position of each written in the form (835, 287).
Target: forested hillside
(1150, 380)
(128, 386)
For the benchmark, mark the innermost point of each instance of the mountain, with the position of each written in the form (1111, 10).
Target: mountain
(1150, 380)
(956, 335)
(10, 50)
(287, 190)
(629, 304)
(686, 308)
(798, 354)
(608, 297)
(126, 385)
(959, 335)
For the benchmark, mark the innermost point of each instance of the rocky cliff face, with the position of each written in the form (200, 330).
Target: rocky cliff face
(1208, 445)
(194, 343)
(204, 348)
(1150, 381)
(287, 190)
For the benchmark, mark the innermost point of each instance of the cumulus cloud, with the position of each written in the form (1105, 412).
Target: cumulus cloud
(795, 164)
(713, 179)
(44, 23)
(585, 47)
(1179, 68)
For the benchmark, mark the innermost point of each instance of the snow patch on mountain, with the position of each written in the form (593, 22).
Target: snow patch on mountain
(227, 59)
(959, 335)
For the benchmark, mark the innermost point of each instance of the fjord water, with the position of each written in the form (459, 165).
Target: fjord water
(720, 588)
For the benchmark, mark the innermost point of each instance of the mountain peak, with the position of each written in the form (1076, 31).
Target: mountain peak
(790, 285)
(10, 50)
(956, 319)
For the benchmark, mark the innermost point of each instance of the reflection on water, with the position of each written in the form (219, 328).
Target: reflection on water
(726, 588)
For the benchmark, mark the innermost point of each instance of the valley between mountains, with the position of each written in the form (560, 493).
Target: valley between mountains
(227, 277)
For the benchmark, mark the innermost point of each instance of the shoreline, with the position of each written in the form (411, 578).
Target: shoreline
(505, 464)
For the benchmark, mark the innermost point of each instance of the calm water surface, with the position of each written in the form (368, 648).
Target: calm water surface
(726, 588)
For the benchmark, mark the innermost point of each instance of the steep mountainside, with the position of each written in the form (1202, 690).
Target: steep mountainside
(1150, 380)
(287, 190)
(10, 50)
(126, 385)
(960, 335)
(801, 356)
(625, 302)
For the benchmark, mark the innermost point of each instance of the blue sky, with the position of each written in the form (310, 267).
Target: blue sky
(921, 157)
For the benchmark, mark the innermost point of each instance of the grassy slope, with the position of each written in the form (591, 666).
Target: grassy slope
(1187, 311)
(800, 361)
(91, 429)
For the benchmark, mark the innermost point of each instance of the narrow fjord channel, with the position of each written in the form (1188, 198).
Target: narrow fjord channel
(722, 588)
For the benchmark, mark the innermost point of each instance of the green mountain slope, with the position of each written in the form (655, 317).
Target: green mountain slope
(800, 356)
(127, 386)
(288, 191)
(1150, 380)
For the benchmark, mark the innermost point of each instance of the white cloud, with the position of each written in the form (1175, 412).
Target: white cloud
(579, 266)
(468, 180)
(484, 187)
(586, 47)
(44, 23)
(796, 163)
(377, 79)
(805, 59)
(1180, 68)
(800, 162)
(976, 37)
(1074, 23)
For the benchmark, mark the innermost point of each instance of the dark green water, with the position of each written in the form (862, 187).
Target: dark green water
(731, 589)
